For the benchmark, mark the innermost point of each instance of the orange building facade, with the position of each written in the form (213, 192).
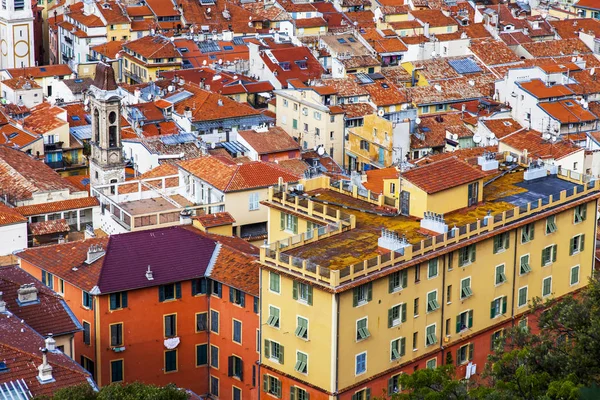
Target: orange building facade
(198, 333)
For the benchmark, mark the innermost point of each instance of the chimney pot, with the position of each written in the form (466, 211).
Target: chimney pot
(45, 370)
(149, 274)
(2, 304)
(50, 343)
(27, 293)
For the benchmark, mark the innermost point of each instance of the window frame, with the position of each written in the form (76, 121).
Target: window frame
(173, 317)
(528, 264)
(551, 226)
(356, 364)
(469, 292)
(172, 351)
(544, 284)
(298, 332)
(298, 363)
(89, 297)
(218, 319)
(120, 334)
(519, 305)
(433, 304)
(233, 324)
(435, 264)
(400, 348)
(122, 362)
(362, 332)
(431, 338)
(274, 323)
(254, 201)
(500, 278)
(272, 275)
(578, 267)
(577, 211)
(205, 346)
(214, 352)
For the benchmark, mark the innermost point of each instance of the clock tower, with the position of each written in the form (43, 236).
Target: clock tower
(16, 34)
(106, 163)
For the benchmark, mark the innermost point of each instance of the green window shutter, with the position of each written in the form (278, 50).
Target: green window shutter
(278, 388)
(544, 257)
(295, 223)
(504, 303)
(391, 283)
(178, 290)
(123, 299)
(390, 317)
(506, 241)
(531, 231)
(554, 250)
(404, 278)
(496, 244)
(292, 393)
(471, 350)
(354, 297)
(470, 319)
(282, 221)
(572, 246)
(458, 323)
(402, 346)
(280, 354)
(493, 310)
(369, 291)
(403, 313)
(266, 383)
(267, 349)
(113, 301)
(295, 290)
(231, 295)
(472, 250)
(458, 356)
(368, 394)
(390, 388)
(161, 293)
(310, 295)
(583, 211)
(194, 287)
(581, 242)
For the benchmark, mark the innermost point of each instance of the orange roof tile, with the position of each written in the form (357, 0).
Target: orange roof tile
(536, 146)
(49, 227)
(567, 111)
(542, 91)
(228, 177)
(275, 140)
(43, 71)
(214, 220)
(375, 178)
(9, 216)
(58, 206)
(14, 137)
(442, 175)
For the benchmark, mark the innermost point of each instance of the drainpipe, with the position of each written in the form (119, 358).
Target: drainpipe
(443, 301)
(336, 300)
(260, 336)
(209, 288)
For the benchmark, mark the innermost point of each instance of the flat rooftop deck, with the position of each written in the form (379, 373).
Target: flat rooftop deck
(356, 245)
(157, 204)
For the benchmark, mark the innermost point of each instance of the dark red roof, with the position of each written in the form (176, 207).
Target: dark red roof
(174, 254)
(50, 315)
(442, 175)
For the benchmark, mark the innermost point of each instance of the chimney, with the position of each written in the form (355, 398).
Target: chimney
(390, 240)
(27, 293)
(45, 370)
(220, 102)
(61, 239)
(434, 222)
(185, 217)
(94, 253)
(2, 304)
(149, 274)
(50, 343)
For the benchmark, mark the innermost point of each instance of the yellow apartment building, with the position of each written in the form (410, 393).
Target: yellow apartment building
(145, 58)
(353, 296)
(372, 143)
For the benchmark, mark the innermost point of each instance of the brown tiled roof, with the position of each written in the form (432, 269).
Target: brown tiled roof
(384, 93)
(153, 47)
(275, 140)
(294, 165)
(593, 4)
(570, 28)
(58, 206)
(237, 269)
(109, 49)
(435, 18)
(157, 172)
(501, 127)
(12, 136)
(375, 178)
(21, 176)
(442, 175)
(310, 22)
(229, 177)
(536, 146)
(9, 215)
(493, 52)
(542, 91)
(20, 349)
(553, 48)
(112, 12)
(43, 118)
(67, 261)
(358, 110)
(233, 242)
(468, 155)
(359, 62)
(567, 111)
(19, 83)
(49, 227)
(50, 315)
(44, 71)
(214, 220)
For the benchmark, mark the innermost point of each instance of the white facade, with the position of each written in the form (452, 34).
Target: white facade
(16, 34)
(13, 237)
(29, 97)
(437, 48)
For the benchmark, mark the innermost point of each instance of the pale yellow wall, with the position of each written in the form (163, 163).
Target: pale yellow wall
(225, 230)
(396, 17)
(65, 341)
(120, 31)
(237, 204)
(438, 30)
(376, 141)
(274, 226)
(320, 322)
(420, 79)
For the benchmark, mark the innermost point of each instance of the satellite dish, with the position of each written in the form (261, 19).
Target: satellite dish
(380, 112)
(493, 142)
(476, 139)
(86, 101)
(315, 148)
(208, 10)
(320, 151)
(433, 54)
(220, 61)
(554, 139)
(204, 62)
(417, 120)
(593, 71)
(546, 136)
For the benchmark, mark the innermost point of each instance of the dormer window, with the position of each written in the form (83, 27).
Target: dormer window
(302, 64)
(285, 66)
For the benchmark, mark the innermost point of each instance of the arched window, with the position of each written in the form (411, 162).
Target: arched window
(112, 136)
(96, 126)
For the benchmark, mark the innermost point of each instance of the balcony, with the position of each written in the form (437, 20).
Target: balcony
(68, 40)
(134, 77)
(53, 147)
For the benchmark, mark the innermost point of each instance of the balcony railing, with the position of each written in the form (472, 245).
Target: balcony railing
(273, 256)
(52, 147)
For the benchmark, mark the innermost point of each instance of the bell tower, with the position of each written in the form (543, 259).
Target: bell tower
(106, 164)
(16, 34)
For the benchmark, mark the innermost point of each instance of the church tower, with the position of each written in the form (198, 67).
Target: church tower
(106, 163)
(16, 34)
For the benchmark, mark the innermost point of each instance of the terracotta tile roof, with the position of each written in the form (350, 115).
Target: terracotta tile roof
(383, 45)
(157, 172)
(363, 19)
(359, 62)
(591, 4)
(274, 140)
(174, 254)
(214, 220)
(442, 175)
(9, 216)
(397, 75)
(313, 70)
(493, 52)
(233, 242)
(153, 47)
(384, 93)
(113, 12)
(295, 166)
(144, 25)
(195, 13)
(67, 261)
(20, 349)
(78, 110)
(58, 206)
(375, 178)
(50, 315)
(44, 71)
(344, 87)
(542, 91)
(81, 182)
(49, 227)
(238, 270)
(12, 136)
(567, 111)
(457, 89)
(358, 110)
(21, 176)
(138, 11)
(44, 118)
(231, 178)
(309, 22)
(162, 8)
(536, 146)
(296, 7)
(552, 48)
(90, 21)
(435, 18)
(19, 83)
(501, 127)
(468, 155)
(475, 31)
(109, 49)
(570, 28)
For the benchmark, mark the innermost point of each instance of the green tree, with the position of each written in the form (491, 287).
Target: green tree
(116, 391)
(432, 384)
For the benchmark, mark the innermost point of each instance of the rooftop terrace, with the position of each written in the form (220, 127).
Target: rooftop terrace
(347, 249)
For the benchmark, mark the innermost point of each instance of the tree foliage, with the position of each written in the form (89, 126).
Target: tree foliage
(561, 361)
(115, 391)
